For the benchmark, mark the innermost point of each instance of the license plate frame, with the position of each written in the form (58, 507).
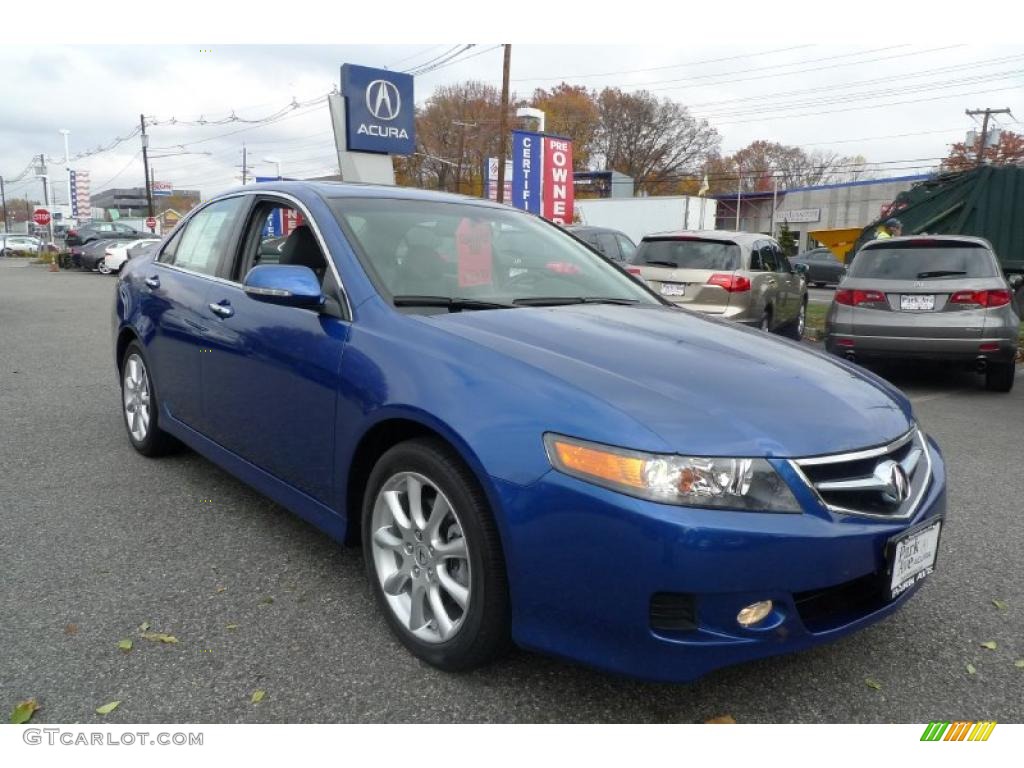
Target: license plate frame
(917, 302)
(901, 576)
(673, 289)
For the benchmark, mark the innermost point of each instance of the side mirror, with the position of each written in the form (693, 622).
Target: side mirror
(801, 269)
(285, 284)
(1016, 281)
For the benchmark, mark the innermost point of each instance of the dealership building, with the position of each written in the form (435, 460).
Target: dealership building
(131, 201)
(806, 209)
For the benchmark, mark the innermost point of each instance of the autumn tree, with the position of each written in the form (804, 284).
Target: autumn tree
(656, 141)
(1009, 150)
(19, 209)
(756, 167)
(571, 110)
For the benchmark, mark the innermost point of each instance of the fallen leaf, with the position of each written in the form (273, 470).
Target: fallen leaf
(231, 627)
(990, 644)
(143, 626)
(1000, 604)
(221, 589)
(71, 629)
(257, 696)
(23, 711)
(266, 600)
(159, 637)
(971, 669)
(1019, 663)
(106, 709)
(721, 719)
(872, 684)
(125, 645)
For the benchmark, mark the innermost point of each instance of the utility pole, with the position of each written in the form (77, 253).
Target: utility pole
(503, 124)
(46, 192)
(245, 165)
(145, 166)
(3, 199)
(739, 197)
(987, 112)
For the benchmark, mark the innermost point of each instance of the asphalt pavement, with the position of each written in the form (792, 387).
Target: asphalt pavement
(96, 541)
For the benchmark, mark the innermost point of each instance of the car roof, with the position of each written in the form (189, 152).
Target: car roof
(350, 189)
(740, 238)
(588, 228)
(970, 239)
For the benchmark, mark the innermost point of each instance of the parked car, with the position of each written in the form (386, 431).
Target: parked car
(101, 230)
(613, 244)
(90, 256)
(823, 268)
(19, 245)
(546, 453)
(739, 276)
(143, 248)
(117, 254)
(940, 297)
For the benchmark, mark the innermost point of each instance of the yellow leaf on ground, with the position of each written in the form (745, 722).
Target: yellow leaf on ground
(721, 719)
(872, 684)
(23, 711)
(159, 637)
(990, 644)
(125, 645)
(257, 696)
(106, 709)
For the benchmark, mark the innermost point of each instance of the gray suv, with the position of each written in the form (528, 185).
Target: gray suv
(739, 276)
(940, 297)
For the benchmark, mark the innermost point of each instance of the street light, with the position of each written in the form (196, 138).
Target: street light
(532, 113)
(276, 163)
(67, 168)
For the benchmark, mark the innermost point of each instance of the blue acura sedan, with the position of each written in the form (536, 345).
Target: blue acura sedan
(531, 446)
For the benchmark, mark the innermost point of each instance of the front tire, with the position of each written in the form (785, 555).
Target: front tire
(103, 268)
(140, 407)
(433, 556)
(999, 377)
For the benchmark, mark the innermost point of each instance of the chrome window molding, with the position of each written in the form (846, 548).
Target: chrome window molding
(350, 316)
(911, 506)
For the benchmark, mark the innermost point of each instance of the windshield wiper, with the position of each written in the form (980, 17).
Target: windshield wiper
(451, 303)
(555, 301)
(939, 273)
(659, 263)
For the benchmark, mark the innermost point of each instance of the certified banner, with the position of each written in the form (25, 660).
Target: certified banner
(542, 176)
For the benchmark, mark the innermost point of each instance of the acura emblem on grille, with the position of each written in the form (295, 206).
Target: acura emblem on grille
(894, 477)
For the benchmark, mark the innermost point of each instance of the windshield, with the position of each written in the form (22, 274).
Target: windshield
(476, 256)
(924, 263)
(689, 254)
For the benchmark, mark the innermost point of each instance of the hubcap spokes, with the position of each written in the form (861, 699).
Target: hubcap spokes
(421, 557)
(136, 397)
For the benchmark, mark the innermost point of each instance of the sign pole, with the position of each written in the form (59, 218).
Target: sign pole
(145, 166)
(503, 125)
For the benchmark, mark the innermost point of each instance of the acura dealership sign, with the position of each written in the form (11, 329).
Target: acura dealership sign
(379, 110)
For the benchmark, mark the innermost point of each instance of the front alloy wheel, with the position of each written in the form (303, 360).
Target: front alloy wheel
(421, 557)
(135, 391)
(433, 556)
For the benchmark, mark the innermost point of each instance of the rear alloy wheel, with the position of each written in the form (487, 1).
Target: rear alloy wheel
(140, 407)
(433, 556)
(103, 268)
(999, 377)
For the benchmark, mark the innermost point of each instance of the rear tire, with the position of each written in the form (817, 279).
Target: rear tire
(999, 377)
(421, 560)
(766, 321)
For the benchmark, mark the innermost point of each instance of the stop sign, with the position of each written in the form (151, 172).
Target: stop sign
(150, 223)
(41, 216)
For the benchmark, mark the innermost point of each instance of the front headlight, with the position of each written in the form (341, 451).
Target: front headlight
(749, 485)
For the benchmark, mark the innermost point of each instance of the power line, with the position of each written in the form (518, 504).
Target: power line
(412, 70)
(465, 58)
(414, 55)
(445, 60)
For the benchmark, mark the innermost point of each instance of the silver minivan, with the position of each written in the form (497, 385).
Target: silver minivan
(739, 276)
(934, 297)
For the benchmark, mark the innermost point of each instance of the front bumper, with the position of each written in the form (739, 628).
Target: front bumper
(584, 564)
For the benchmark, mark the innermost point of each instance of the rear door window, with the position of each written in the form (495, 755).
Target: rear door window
(607, 245)
(936, 261)
(689, 254)
(626, 246)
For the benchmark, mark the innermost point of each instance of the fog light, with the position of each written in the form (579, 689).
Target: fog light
(753, 613)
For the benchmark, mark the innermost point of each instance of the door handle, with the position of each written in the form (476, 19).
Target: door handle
(153, 281)
(222, 310)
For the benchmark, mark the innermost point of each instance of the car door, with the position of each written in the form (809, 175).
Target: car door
(763, 280)
(789, 286)
(626, 247)
(174, 302)
(270, 379)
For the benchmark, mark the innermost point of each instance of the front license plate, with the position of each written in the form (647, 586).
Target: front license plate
(912, 556)
(673, 289)
(917, 302)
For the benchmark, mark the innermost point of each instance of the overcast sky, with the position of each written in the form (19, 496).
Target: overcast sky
(897, 104)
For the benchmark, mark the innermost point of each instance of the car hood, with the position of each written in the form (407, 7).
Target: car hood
(705, 386)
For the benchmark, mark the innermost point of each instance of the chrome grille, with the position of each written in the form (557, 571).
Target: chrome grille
(888, 481)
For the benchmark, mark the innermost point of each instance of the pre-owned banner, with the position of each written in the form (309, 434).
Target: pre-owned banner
(542, 179)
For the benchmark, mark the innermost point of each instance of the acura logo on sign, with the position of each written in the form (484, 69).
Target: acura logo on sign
(382, 100)
(894, 478)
